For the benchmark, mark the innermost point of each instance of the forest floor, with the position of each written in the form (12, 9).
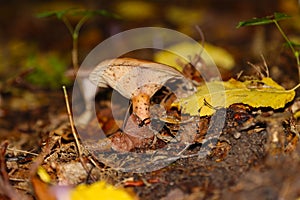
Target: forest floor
(246, 162)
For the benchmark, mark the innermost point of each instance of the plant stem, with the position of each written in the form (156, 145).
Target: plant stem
(74, 43)
(75, 55)
(75, 35)
(296, 53)
(68, 24)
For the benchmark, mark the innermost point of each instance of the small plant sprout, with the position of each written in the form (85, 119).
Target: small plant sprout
(64, 16)
(274, 19)
(137, 80)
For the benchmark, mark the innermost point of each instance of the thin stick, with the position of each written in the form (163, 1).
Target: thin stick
(294, 88)
(265, 65)
(75, 133)
(72, 121)
(202, 38)
(21, 151)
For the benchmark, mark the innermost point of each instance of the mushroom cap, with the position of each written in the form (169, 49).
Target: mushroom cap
(129, 76)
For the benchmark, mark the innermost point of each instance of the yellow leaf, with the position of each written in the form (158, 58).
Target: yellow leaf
(44, 176)
(256, 93)
(99, 190)
(135, 10)
(297, 115)
(219, 55)
(184, 16)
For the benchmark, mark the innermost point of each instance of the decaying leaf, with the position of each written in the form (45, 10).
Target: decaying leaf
(134, 136)
(256, 93)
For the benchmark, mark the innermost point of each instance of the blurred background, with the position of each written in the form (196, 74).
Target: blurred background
(36, 45)
(31, 42)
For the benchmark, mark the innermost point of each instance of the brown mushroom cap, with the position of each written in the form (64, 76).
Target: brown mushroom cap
(130, 76)
(137, 80)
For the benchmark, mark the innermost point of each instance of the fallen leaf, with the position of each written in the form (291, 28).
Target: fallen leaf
(97, 190)
(135, 10)
(182, 16)
(42, 189)
(44, 176)
(255, 93)
(220, 56)
(133, 136)
(121, 142)
(100, 190)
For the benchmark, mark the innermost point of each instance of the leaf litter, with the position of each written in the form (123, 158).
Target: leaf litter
(249, 135)
(255, 129)
(242, 165)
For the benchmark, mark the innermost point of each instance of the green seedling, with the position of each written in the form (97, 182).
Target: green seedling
(65, 15)
(275, 18)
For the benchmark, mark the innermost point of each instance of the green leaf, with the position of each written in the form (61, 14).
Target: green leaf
(46, 14)
(76, 12)
(59, 14)
(264, 20)
(91, 13)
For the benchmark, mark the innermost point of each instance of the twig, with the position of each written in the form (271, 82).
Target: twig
(75, 135)
(265, 65)
(72, 122)
(202, 38)
(22, 151)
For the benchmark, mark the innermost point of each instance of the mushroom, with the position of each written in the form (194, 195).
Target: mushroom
(137, 80)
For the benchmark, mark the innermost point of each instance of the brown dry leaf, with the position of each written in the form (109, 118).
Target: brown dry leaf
(134, 136)
(256, 93)
(42, 189)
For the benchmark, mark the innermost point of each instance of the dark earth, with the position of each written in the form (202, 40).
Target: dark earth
(245, 163)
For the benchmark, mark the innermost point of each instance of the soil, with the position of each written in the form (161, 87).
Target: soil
(254, 154)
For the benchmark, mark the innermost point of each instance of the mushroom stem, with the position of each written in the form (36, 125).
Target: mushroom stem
(140, 107)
